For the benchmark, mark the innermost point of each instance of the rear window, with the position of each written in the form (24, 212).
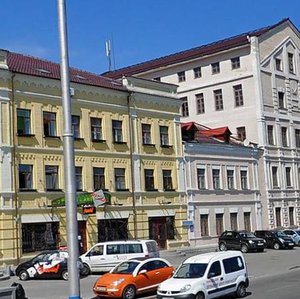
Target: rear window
(152, 246)
(134, 248)
(233, 264)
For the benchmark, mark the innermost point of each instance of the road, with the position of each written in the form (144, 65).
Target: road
(273, 275)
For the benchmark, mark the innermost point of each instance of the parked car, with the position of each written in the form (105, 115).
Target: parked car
(48, 264)
(294, 234)
(275, 239)
(102, 257)
(132, 277)
(208, 275)
(241, 240)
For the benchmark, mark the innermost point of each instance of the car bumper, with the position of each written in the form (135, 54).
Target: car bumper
(175, 296)
(288, 245)
(108, 292)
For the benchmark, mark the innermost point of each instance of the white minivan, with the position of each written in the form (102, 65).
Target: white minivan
(208, 275)
(102, 257)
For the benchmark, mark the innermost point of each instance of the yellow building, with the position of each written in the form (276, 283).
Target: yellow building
(127, 141)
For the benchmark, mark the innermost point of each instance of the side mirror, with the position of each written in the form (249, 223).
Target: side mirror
(211, 274)
(143, 271)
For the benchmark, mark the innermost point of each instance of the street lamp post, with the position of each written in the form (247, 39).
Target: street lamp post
(69, 165)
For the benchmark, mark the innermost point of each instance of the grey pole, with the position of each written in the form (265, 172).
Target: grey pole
(69, 165)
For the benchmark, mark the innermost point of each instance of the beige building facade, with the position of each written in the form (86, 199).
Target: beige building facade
(127, 142)
(249, 83)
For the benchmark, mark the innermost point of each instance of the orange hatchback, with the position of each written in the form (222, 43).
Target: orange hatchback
(133, 277)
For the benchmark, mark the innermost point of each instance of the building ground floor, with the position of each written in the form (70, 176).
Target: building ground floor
(37, 229)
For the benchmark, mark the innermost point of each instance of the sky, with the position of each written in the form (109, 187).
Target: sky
(139, 30)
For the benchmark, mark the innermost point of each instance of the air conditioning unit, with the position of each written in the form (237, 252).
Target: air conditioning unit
(72, 91)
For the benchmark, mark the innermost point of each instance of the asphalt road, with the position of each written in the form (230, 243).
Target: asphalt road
(273, 275)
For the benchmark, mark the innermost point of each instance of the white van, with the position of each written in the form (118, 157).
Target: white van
(102, 257)
(205, 276)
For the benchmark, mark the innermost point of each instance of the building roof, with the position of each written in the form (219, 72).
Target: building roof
(215, 47)
(28, 65)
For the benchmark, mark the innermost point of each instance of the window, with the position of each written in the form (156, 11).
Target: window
(241, 133)
(219, 224)
(288, 176)
(291, 216)
(230, 179)
(112, 229)
(120, 179)
(96, 129)
(200, 103)
(23, 122)
(197, 72)
(149, 180)
(204, 225)
(284, 137)
(40, 236)
(78, 178)
(233, 264)
(146, 133)
(278, 64)
(235, 63)
(278, 216)
(201, 178)
(233, 221)
(97, 250)
(247, 221)
(25, 177)
(117, 131)
(238, 95)
(216, 178)
(244, 180)
(215, 68)
(170, 225)
(99, 178)
(270, 135)
(281, 103)
(218, 99)
(49, 124)
(76, 126)
(291, 62)
(274, 176)
(184, 107)
(51, 177)
(215, 270)
(164, 135)
(167, 180)
(181, 76)
(297, 137)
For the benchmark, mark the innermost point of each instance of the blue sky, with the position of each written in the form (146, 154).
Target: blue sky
(140, 29)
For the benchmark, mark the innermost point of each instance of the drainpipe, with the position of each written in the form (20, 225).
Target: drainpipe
(14, 165)
(131, 144)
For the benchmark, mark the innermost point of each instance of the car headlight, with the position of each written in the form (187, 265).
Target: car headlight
(250, 242)
(281, 240)
(185, 288)
(117, 282)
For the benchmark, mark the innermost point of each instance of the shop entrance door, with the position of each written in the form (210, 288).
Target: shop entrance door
(82, 237)
(158, 230)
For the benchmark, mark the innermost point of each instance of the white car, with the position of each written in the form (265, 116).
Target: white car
(205, 276)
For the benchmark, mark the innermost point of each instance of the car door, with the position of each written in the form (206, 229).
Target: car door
(146, 278)
(96, 258)
(215, 281)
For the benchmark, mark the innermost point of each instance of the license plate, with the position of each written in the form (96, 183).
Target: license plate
(167, 297)
(101, 288)
(291, 244)
(260, 244)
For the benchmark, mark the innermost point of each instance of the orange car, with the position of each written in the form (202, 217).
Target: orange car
(133, 277)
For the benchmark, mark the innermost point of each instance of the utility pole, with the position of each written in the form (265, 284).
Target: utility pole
(69, 164)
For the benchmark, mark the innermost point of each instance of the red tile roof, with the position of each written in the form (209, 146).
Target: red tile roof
(29, 65)
(208, 49)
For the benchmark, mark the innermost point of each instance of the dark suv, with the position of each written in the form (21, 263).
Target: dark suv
(275, 239)
(241, 240)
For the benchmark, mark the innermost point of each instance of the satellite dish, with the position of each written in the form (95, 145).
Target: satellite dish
(246, 142)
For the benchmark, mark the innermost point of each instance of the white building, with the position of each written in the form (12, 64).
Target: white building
(249, 83)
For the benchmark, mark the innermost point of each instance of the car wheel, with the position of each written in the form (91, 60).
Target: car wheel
(222, 247)
(129, 292)
(200, 295)
(244, 248)
(85, 270)
(65, 275)
(276, 246)
(23, 275)
(241, 290)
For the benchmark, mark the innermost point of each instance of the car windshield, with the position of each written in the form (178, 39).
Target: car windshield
(298, 232)
(190, 271)
(280, 234)
(247, 235)
(126, 267)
